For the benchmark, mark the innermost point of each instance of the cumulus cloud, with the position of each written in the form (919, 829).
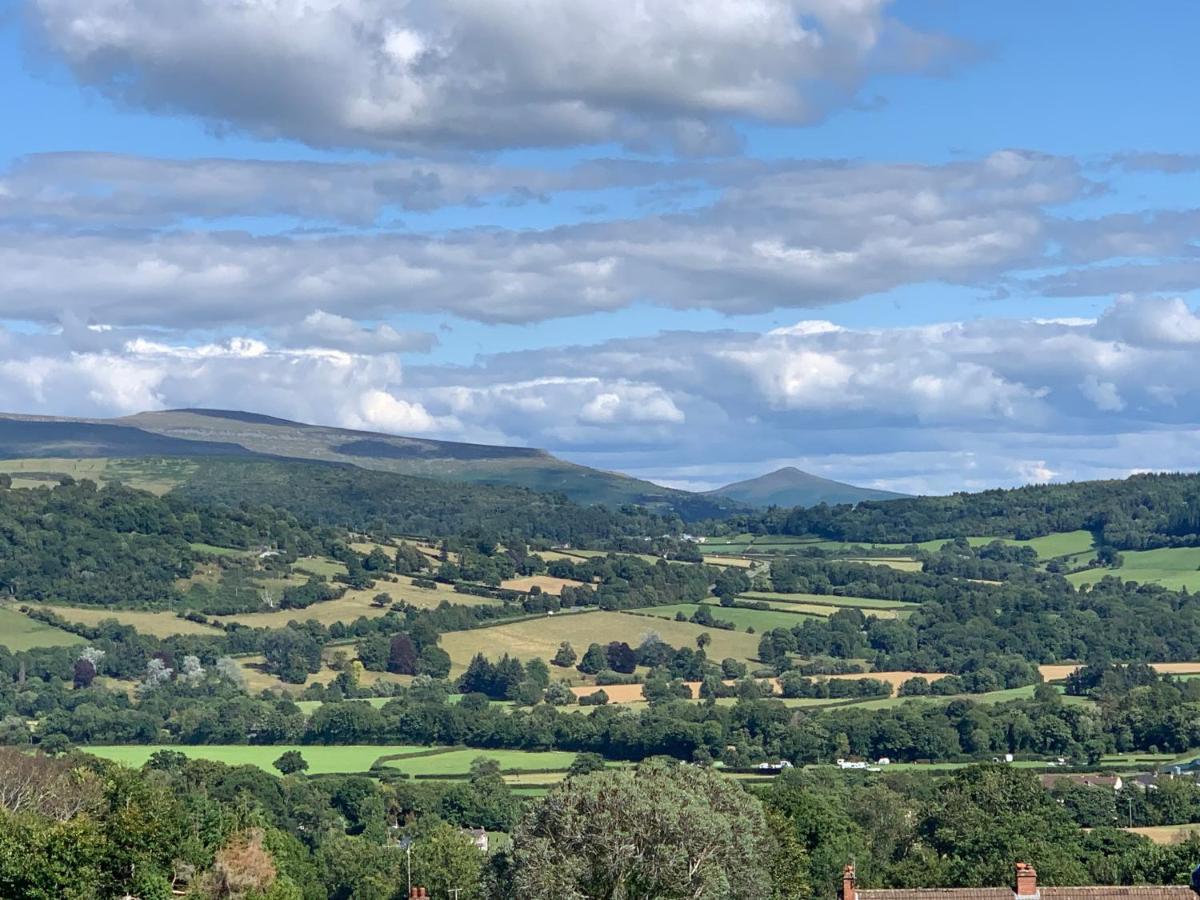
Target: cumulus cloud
(322, 329)
(475, 74)
(791, 234)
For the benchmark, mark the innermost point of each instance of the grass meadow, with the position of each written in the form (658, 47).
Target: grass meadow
(19, 632)
(1172, 567)
(157, 623)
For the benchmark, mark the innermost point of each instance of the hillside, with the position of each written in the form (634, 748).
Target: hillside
(207, 433)
(791, 487)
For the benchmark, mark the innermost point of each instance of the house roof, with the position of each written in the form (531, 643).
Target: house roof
(1088, 892)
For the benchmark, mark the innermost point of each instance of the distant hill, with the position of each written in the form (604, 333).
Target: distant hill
(209, 432)
(791, 487)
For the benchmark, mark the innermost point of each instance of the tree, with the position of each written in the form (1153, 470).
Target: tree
(402, 656)
(373, 651)
(479, 678)
(594, 660)
(559, 694)
(444, 860)
(678, 831)
(291, 763)
(621, 657)
(989, 815)
(538, 672)
(789, 861)
(433, 661)
(566, 656)
(586, 764)
(703, 639)
(5, 481)
(291, 654)
(242, 868)
(85, 673)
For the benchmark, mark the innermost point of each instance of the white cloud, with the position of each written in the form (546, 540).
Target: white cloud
(481, 74)
(322, 329)
(1150, 322)
(381, 411)
(791, 234)
(1102, 393)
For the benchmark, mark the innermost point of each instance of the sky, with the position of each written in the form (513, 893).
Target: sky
(922, 245)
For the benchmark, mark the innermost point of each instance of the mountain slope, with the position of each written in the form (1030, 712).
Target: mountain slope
(206, 432)
(791, 487)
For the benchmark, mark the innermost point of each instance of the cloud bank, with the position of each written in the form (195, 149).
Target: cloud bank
(939, 407)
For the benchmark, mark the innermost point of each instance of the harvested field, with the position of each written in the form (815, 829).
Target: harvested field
(632, 693)
(734, 561)
(548, 584)
(158, 623)
(361, 603)
(1166, 834)
(1058, 672)
(539, 638)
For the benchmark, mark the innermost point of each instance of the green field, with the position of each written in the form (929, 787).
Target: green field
(19, 632)
(316, 566)
(458, 761)
(1047, 547)
(760, 620)
(863, 603)
(321, 759)
(324, 760)
(1172, 567)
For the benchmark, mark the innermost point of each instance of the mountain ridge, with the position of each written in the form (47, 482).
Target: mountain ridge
(209, 432)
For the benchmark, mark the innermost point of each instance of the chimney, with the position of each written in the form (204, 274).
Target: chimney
(848, 890)
(418, 893)
(1027, 886)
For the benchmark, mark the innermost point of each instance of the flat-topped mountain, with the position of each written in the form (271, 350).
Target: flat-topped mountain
(210, 432)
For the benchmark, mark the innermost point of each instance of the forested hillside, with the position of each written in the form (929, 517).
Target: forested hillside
(1140, 512)
(385, 502)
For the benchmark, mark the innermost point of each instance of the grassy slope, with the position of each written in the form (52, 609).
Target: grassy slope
(761, 620)
(19, 632)
(1173, 567)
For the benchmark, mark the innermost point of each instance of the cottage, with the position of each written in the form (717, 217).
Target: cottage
(478, 837)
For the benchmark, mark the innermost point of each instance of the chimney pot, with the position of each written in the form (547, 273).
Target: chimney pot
(1027, 886)
(848, 879)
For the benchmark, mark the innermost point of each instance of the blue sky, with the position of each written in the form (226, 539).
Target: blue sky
(688, 242)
